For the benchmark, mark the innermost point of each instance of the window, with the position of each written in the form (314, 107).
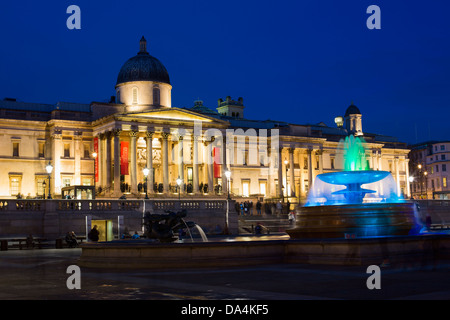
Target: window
(262, 188)
(66, 182)
(437, 168)
(332, 163)
(444, 182)
(135, 95)
(66, 150)
(442, 156)
(40, 190)
(86, 150)
(118, 96)
(156, 96)
(41, 150)
(442, 147)
(444, 168)
(245, 188)
(15, 184)
(15, 149)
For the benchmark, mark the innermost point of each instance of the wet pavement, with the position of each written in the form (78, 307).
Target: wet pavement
(42, 274)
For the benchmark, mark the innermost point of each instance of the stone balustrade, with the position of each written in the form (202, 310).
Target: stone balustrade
(53, 217)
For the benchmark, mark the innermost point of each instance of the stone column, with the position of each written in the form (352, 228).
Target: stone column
(210, 165)
(397, 175)
(56, 173)
(133, 154)
(108, 161)
(292, 169)
(101, 160)
(310, 168)
(380, 161)
(78, 151)
(195, 179)
(320, 155)
(150, 178)
(408, 187)
(165, 160)
(116, 133)
(302, 182)
(280, 173)
(181, 163)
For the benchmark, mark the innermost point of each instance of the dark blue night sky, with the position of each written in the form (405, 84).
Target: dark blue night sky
(296, 61)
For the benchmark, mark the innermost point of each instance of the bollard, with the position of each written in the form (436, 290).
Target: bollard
(58, 243)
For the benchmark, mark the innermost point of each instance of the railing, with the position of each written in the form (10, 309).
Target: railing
(59, 205)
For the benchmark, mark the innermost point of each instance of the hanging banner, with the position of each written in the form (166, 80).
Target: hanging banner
(96, 159)
(217, 161)
(124, 158)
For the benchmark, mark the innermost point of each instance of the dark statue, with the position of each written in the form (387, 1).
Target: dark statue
(163, 226)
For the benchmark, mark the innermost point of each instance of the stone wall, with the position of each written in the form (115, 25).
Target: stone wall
(54, 218)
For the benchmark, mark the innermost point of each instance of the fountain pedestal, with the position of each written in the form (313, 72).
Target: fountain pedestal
(358, 220)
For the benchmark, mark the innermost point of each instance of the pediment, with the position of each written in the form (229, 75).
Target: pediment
(173, 114)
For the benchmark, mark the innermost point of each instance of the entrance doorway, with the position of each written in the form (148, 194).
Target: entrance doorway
(105, 229)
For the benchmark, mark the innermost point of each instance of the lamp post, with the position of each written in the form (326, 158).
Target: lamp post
(43, 186)
(411, 180)
(146, 171)
(94, 155)
(49, 169)
(179, 181)
(425, 174)
(228, 175)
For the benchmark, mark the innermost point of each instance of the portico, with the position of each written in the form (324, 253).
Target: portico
(167, 142)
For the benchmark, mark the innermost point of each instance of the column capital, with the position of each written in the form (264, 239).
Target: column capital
(133, 133)
(116, 132)
(165, 135)
(149, 134)
(57, 134)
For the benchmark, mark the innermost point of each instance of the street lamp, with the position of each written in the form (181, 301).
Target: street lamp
(94, 155)
(43, 186)
(146, 171)
(49, 169)
(179, 181)
(411, 180)
(426, 184)
(228, 175)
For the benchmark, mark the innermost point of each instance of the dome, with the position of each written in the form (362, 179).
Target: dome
(200, 108)
(143, 67)
(352, 109)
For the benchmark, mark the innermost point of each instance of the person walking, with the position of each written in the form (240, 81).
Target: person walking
(94, 234)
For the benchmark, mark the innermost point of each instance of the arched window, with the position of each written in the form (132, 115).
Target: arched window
(156, 96)
(135, 95)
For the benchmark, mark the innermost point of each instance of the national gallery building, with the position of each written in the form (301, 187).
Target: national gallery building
(187, 151)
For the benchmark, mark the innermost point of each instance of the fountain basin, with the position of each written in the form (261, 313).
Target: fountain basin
(364, 251)
(351, 177)
(354, 220)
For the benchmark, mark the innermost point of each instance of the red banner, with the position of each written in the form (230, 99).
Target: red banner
(124, 158)
(96, 159)
(217, 161)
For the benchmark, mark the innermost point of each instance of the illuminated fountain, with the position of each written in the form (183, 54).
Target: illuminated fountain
(355, 203)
